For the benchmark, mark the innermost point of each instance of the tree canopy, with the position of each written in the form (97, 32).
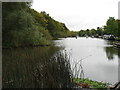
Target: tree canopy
(25, 26)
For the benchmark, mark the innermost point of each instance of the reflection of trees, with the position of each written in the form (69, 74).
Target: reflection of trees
(119, 53)
(110, 52)
(119, 64)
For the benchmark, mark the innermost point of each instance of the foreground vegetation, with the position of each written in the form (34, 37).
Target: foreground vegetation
(87, 83)
(41, 67)
(38, 67)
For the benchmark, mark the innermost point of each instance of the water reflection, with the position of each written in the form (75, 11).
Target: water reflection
(119, 64)
(103, 63)
(111, 52)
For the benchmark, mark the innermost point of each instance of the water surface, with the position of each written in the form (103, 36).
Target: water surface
(101, 58)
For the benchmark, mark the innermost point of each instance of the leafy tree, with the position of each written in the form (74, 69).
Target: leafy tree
(92, 32)
(118, 23)
(111, 26)
(25, 26)
(19, 26)
(99, 31)
(82, 33)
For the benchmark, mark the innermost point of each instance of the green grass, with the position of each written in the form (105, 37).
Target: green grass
(91, 83)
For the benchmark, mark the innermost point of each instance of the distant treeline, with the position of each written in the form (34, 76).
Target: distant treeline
(24, 26)
(112, 27)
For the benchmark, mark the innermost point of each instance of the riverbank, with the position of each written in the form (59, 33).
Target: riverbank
(34, 64)
(13, 47)
(103, 58)
(116, 41)
(87, 83)
(116, 44)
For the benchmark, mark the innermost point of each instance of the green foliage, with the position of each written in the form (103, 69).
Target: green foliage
(99, 31)
(55, 28)
(111, 26)
(72, 33)
(91, 32)
(24, 26)
(118, 22)
(39, 18)
(82, 33)
(18, 25)
(92, 84)
(36, 67)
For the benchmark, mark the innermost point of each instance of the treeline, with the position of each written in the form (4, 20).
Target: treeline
(112, 27)
(24, 26)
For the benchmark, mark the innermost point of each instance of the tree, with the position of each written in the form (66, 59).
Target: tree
(111, 26)
(99, 31)
(19, 26)
(82, 33)
(92, 32)
(118, 23)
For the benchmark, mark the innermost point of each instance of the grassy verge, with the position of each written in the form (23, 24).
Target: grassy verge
(87, 83)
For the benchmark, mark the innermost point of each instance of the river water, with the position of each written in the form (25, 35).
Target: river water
(100, 62)
(100, 58)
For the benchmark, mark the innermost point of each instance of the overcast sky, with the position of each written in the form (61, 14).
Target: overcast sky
(79, 14)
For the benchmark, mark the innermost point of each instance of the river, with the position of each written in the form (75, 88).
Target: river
(100, 58)
(23, 67)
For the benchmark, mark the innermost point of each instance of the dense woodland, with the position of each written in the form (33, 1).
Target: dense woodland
(23, 26)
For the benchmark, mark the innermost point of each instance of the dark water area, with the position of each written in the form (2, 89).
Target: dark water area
(100, 58)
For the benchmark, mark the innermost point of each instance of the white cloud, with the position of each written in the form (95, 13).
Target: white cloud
(79, 14)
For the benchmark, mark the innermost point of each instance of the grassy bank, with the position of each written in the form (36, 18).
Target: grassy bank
(87, 83)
